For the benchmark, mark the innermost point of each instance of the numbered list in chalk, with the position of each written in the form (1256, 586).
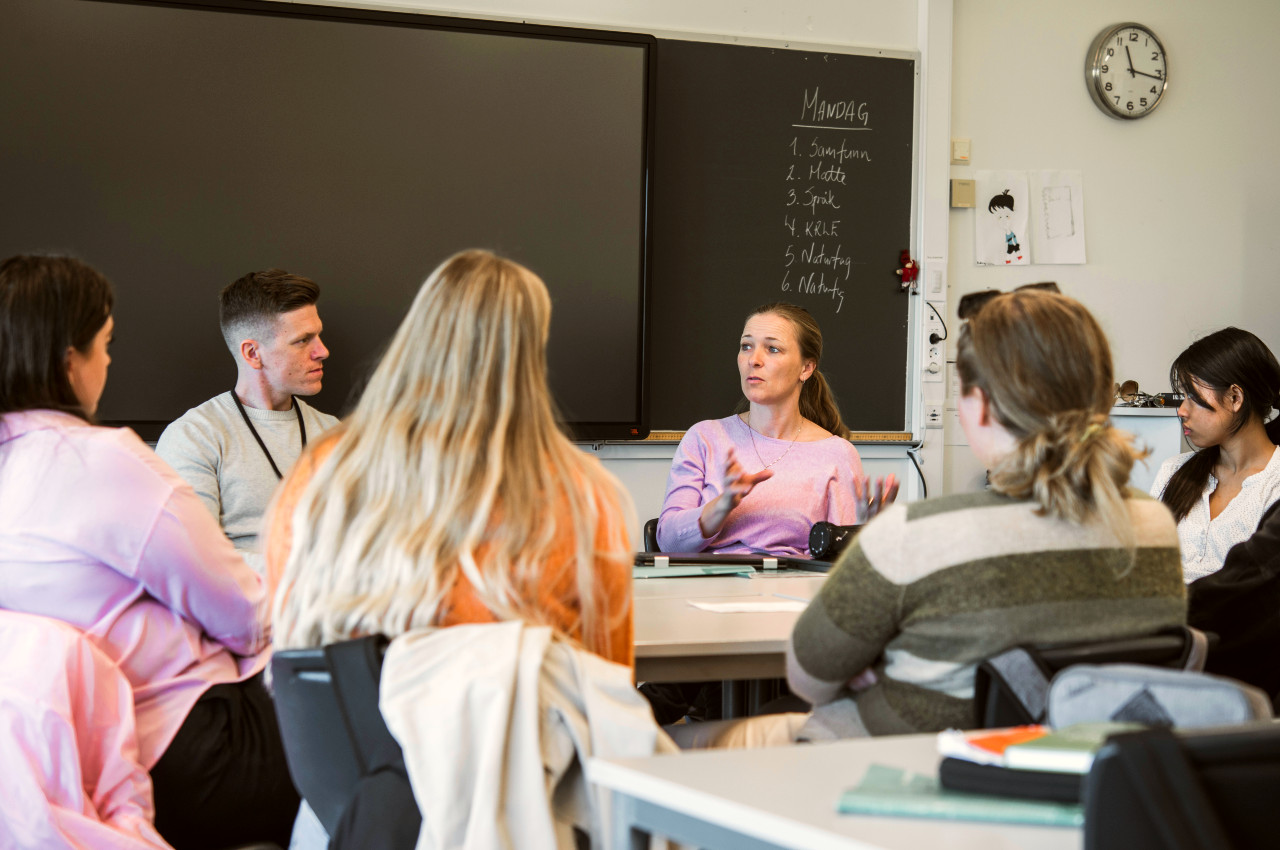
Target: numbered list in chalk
(824, 148)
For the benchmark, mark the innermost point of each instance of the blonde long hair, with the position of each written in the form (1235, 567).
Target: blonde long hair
(451, 465)
(1045, 365)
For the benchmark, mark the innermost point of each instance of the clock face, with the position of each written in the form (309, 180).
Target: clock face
(1127, 71)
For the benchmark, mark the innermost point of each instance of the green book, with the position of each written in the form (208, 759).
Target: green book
(892, 791)
(1067, 750)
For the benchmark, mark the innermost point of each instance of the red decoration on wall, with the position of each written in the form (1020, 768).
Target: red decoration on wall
(910, 270)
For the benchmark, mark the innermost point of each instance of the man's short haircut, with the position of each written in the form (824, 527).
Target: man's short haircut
(248, 307)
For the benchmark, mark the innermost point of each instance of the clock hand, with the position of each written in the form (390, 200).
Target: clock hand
(1130, 57)
(1152, 76)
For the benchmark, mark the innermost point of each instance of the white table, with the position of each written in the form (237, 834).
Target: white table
(786, 797)
(676, 642)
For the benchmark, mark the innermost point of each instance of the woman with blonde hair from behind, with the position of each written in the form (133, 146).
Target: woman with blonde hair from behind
(450, 495)
(1058, 549)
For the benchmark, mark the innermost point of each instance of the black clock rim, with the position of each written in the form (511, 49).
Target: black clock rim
(1092, 74)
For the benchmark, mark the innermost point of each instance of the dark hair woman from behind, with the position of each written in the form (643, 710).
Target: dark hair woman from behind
(49, 306)
(98, 532)
(1230, 382)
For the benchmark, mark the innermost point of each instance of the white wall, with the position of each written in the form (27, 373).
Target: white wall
(1182, 208)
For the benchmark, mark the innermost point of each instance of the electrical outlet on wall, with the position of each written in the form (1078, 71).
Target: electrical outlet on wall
(934, 346)
(933, 330)
(933, 416)
(933, 363)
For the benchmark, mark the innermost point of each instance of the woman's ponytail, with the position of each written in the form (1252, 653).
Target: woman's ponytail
(1188, 482)
(818, 403)
(1076, 468)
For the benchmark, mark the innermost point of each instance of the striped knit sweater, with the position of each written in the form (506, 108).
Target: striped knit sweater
(930, 589)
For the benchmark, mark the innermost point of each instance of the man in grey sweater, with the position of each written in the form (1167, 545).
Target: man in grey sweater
(234, 449)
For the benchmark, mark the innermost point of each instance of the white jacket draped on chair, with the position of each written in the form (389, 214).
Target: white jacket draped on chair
(496, 722)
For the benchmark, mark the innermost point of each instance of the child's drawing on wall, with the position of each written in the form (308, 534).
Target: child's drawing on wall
(1000, 231)
(1002, 207)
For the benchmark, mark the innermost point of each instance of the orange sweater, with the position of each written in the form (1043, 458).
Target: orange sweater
(556, 590)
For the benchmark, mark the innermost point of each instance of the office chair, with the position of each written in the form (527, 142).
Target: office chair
(1012, 688)
(651, 536)
(342, 757)
(1156, 789)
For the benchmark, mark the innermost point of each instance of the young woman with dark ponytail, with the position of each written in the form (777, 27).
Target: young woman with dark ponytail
(788, 432)
(1058, 549)
(1230, 381)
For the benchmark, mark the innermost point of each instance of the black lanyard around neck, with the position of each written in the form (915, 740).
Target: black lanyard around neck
(302, 430)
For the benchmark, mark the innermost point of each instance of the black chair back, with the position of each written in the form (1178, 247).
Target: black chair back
(1158, 789)
(651, 536)
(334, 735)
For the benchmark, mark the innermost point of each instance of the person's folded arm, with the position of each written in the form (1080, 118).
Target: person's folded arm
(148, 524)
(186, 562)
(191, 566)
(844, 630)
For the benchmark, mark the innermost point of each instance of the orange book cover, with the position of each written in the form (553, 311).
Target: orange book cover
(986, 746)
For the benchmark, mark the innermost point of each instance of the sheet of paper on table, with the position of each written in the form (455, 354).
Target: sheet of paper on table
(756, 605)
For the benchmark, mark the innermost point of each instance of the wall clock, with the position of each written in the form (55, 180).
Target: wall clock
(1126, 70)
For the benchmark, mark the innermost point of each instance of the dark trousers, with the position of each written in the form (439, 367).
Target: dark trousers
(224, 781)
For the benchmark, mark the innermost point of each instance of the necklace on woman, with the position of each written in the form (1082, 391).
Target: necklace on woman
(752, 432)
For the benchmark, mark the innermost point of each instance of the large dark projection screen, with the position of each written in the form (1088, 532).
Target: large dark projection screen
(177, 146)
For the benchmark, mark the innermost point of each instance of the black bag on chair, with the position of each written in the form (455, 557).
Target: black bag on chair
(1154, 790)
(1012, 688)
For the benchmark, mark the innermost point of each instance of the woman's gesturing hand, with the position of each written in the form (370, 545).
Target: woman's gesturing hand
(872, 498)
(735, 484)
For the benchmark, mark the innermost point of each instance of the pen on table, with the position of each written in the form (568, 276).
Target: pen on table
(792, 598)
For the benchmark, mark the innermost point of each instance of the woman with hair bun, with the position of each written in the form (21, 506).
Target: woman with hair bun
(1230, 381)
(788, 429)
(1058, 549)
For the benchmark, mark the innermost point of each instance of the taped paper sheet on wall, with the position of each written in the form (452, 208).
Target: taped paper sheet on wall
(1057, 216)
(1001, 215)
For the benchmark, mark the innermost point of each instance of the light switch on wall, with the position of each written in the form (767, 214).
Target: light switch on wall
(959, 151)
(962, 193)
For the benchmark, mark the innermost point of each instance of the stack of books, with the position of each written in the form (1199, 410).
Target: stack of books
(1027, 774)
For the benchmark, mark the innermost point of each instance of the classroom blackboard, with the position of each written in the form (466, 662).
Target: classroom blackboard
(178, 146)
(780, 175)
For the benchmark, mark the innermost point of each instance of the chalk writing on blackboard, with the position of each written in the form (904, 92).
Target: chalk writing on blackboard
(847, 112)
(816, 264)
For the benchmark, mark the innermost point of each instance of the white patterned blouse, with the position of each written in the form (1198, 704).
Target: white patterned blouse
(1204, 541)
